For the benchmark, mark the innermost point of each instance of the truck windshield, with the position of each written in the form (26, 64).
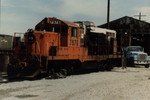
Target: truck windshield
(135, 49)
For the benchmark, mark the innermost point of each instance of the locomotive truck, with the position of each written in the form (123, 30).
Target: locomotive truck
(60, 46)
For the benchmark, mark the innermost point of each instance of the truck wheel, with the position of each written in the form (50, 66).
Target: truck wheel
(130, 62)
(147, 66)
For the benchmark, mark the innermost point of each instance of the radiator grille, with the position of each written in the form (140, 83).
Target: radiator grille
(142, 56)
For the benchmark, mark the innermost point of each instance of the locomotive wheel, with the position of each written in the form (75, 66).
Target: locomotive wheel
(147, 66)
(13, 71)
(32, 70)
(57, 75)
(101, 67)
(60, 69)
(130, 62)
(63, 72)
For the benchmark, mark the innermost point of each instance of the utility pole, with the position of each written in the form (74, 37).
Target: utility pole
(0, 16)
(108, 14)
(140, 16)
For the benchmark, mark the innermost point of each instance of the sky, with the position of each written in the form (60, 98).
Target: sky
(20, 15)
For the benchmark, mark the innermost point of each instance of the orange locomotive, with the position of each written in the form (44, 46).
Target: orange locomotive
(59, 46)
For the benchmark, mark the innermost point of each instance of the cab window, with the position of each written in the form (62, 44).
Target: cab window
(74, 32)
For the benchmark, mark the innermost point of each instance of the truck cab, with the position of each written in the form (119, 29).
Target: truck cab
(135, 55)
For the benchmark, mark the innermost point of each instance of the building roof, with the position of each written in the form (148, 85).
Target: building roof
(126, 23)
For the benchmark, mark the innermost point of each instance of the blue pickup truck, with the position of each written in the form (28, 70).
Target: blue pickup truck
(135, 55)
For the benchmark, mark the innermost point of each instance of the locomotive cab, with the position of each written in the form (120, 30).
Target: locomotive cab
(57, 35)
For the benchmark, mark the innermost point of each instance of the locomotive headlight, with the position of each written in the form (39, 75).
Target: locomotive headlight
(31, 38)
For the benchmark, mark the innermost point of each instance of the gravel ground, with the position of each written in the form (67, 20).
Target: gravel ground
(118, 84)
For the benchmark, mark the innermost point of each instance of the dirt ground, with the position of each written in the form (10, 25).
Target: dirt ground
(118, 84)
